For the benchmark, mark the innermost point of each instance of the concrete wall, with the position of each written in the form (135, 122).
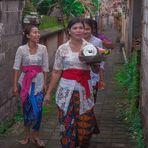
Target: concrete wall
(131, 26)
(144, 71)
(52, 40)
(127, 27)
(137, 13)
(10, 38)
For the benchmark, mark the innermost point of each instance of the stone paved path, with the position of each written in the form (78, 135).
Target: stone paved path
(114, 132)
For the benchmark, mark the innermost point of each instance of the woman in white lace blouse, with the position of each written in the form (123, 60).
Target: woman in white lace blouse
(74, 96)
(32, 60)
(97, 79)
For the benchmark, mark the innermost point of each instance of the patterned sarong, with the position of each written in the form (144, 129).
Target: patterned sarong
(76, 129)
(32, 109)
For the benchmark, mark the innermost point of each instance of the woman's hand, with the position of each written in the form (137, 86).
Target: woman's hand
(46, 99)
(15, 91)
(55, 76)
(101, 84)
(15, 87)
(45, 88)
(95, 67)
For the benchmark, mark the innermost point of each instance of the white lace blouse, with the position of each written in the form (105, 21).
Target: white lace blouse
(24, 58)
(65, 58)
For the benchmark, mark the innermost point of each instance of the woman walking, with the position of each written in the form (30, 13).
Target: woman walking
(32, 60)
(97, 79)
(74, 96)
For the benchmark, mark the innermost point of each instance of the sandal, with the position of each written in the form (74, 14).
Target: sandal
(24, 141)
(38, 142)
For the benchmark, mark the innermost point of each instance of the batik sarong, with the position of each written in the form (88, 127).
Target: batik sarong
(76, 129)
(32, 109)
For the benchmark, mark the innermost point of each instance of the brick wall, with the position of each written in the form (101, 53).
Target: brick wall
(52, 40)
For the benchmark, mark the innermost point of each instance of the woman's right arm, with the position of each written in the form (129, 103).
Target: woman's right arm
(16, 69)
(55, 76)
(15, 78)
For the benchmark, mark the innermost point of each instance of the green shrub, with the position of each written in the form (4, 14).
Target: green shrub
(49, 22)
(128, 78)
(28, 8)
(5, 126)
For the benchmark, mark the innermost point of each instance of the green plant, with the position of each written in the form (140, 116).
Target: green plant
(97, 4)
(28, 8)
(49, 22)
(68, 7)
(73, 7)
(128, 78)
(5, 126)
(43, 6)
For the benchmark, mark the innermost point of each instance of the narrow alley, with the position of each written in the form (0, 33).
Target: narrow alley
(113, 132)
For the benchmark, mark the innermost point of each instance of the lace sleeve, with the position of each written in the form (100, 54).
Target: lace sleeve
(45, 60)
(58, 63)
(18, 59)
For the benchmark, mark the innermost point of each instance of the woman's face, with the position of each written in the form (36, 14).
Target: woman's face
(87, 31)
(34, 35)
(77, 31)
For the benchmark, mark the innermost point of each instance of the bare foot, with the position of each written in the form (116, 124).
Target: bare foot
(38, 142)
(24, 141)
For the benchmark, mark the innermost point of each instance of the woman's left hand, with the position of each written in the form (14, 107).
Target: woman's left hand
(101, 84)
(46, 99)
(15, 91)
(95, 67)
(45, 88)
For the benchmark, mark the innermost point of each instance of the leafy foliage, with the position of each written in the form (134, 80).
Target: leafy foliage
(128, 79)
(49, 22)
(43, 6)
(73, 8)
(4, 127)
(70, 7)
(97, 4)
(29, 7)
